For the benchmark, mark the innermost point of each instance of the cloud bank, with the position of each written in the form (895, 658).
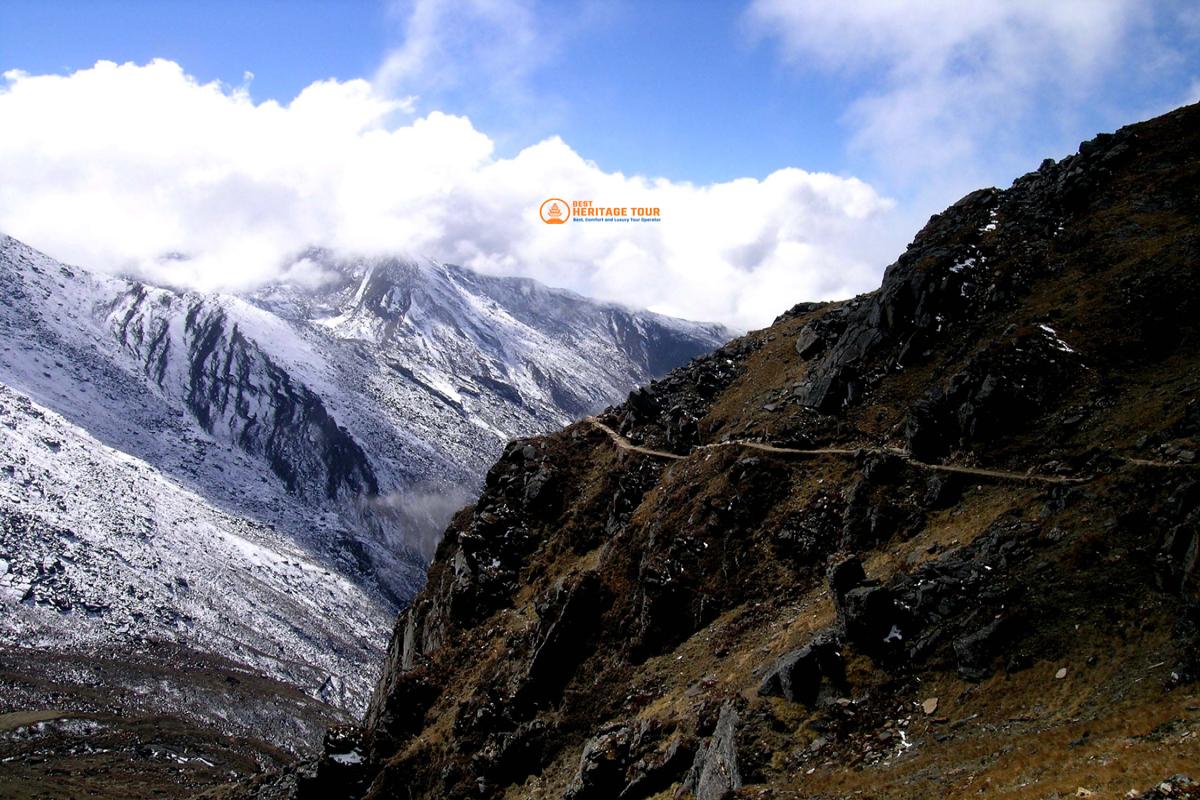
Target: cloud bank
(958, 85)
(117, 167)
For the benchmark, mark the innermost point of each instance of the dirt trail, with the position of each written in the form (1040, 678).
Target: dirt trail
(1146, 462)
(20, 719)
(623, 443)
(1024, 477)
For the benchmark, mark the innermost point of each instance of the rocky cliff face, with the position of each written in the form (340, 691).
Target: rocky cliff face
(236, 390)
(936, 540)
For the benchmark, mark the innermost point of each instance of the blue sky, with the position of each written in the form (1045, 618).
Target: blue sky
(918, 103)
(287, 45)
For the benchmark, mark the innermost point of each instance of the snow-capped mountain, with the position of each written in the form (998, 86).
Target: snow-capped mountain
(262, 476)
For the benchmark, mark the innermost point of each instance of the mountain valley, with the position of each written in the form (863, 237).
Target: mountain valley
(203, 491)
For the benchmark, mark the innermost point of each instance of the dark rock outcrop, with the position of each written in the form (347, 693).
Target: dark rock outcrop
(998, 390)
(665, 412)
(1179, 559)
(958, 600)
(236, 390)
(567, 620)
(631, 761)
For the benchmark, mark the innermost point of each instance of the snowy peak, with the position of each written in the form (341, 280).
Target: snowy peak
(291, 455)
(456, 331)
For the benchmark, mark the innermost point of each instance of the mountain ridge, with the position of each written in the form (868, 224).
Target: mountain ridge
(680, 618)
(193, 473)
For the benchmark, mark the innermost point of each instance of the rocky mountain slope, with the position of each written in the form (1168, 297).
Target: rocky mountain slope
(939, 540)
(256, 482)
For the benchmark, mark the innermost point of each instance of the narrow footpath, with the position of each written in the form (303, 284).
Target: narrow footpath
(997, 474)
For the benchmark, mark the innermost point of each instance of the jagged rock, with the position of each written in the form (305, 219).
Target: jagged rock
(961, 597)
(941, 491)
(845, 574)
(999, 390)
(797, 310)
(830, 390)
(1179, 558)
(641, 407)
(714, 774)
(1189, 424)
(686, 393)
(807, 675)
(537, 488)
(655, 772)
(807, 536)
(682, 430)
(632, 484)
(809, 343)
(521, 494)
(342, 767)
(946, 601)
(508, 755)
(625, 760)
(869, 517)
(882, 468)
(1177, 787)
(976, 650)
(671, 598)
(564, 632)
(498, 745)
(667, 609)
(1187, 633)
(397, 710)
(603, 764)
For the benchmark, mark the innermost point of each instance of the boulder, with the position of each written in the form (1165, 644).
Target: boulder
(845, 574)
(809, 343)
(875, 623)
(808, 675)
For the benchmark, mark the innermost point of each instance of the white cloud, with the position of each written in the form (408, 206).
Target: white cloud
(446, 44)
(954, 83)
(114, 166)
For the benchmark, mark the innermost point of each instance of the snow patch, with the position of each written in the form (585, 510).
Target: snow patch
(1055, 339)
